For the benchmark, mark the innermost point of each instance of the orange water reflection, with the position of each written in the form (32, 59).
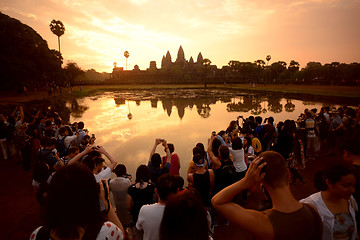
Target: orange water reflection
(182, 123)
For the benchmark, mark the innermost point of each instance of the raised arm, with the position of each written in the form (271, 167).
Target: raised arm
(157, 142)
(87, 149)
(168, 154)
(113, 162)
(245, 218)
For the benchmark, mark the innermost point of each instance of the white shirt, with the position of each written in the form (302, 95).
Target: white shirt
(327, 217)
(104, 174)
(239, 162)
(149, 220)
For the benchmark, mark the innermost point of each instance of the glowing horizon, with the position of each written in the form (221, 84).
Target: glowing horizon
(98, 32)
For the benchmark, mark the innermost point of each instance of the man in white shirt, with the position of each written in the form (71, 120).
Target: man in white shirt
(150, 216)
(99, 171)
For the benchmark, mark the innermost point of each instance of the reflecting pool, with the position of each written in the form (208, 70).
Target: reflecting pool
(127, 123)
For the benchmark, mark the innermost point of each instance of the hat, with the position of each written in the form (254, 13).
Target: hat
(199, 160)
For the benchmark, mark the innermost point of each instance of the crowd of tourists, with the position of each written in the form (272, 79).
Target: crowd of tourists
(80, 197)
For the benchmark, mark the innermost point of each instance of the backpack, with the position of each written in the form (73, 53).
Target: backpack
(61, 148)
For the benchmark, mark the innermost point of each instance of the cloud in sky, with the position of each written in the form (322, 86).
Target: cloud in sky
(98, 32)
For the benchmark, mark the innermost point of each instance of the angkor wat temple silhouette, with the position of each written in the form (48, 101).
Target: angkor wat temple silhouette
(180, 71)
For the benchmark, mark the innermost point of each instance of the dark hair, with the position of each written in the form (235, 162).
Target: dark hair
(276, 171)
(249, 141)
(41, 172)
(166, 185)
(120, 170)
(156, 160)
(73, 149)
(258, 119)
(184, 217)
(222, 132)
(197, 150)
(62, 130)
(271, 120)
(215, 146)
(98, 160)
(171, 147)
(74, 184)
(333, 174)
(224, 153)
(180, 182)
(80, 125)
(200, 145)
(142, 174)
(89, 162)
(237, 144)
(48, 142)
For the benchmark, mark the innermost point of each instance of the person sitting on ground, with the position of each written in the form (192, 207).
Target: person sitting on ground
(202, 180)
(288, 219)
(119, 187)
(139, 194)
(175, 160)
(74, 209)
(335, 203)
(185, 217)
(154, 164)
(150, 216)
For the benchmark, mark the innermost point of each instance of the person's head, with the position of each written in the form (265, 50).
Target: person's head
(120, 170)
(80, 125)
(41, 172)
(258, 119)
(276, 171)
(166, 185)
(351, 150)
(73, 151)
(94, 154)
(180, 182)
(142, 174)
(247, 141)
(73, 184)
(197, 150)
(271, 120)
(222, 134)
(199, 160)
(215, 146)
(338, 180)
(184, 217)
(58, 122)
(224, 153)
(63, 131)
(171, 147)
(89, 162)
(237, 144)
(156, 160)
(232, 125)
(201, 146)
(99, 164)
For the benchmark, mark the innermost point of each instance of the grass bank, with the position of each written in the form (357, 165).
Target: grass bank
(336, 91)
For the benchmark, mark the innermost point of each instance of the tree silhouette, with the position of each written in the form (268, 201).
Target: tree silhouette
(126, 55)
(268, 58)
(206, 64)
(57, 28)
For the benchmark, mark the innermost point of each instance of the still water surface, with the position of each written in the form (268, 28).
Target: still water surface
(127, 123)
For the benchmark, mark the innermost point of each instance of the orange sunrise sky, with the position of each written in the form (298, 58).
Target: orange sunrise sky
(98, 32)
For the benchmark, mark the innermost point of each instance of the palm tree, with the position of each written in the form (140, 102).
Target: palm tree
(126, 54)
(268, 58)
(57, 28)
(206, 64)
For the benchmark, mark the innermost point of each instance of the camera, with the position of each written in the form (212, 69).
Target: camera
(214, 133)
(93, 135)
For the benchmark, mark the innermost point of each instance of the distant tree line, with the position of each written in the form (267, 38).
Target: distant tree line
(334, 73)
